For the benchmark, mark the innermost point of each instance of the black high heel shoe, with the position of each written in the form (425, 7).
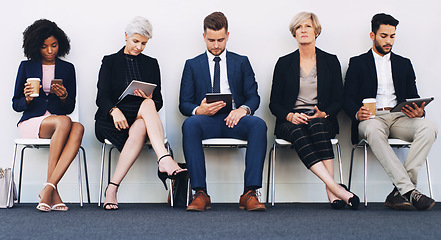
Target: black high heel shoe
(338, 204)
(110, 204)
(164, 175)
(354, 201)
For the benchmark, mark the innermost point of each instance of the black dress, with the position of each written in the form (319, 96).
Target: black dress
(116, 73)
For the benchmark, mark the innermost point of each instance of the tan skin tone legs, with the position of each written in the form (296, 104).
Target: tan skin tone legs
(334, 190)
(66, 139)
(148, 124)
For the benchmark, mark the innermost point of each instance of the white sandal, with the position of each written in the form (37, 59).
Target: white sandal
(44, 207)
(59, 207)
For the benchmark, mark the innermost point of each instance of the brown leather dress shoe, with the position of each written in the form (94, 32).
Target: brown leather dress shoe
(201, 202)
(250, 202)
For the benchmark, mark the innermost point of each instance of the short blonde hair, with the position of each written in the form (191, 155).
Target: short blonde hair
(141, 26)
(301, 17)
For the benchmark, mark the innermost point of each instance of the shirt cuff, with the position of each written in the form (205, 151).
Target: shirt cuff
(194, 111)
(356, 115)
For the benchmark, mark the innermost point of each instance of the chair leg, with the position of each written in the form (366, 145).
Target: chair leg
(350, 167)
(188, 191)
(103, 151)
(170, 185)
(273, 198)
(80, 182)
(268, 182)
(339, 162)
(110, 165)
(429, 181)
(365, 174)
(21, 173)
(12, 177)
(86, 175)
(170, 151)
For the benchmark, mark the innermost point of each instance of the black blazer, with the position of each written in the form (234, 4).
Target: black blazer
(112, 82)
(286, 82)
(361, 82)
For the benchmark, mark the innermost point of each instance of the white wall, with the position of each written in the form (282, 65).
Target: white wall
(258, 29)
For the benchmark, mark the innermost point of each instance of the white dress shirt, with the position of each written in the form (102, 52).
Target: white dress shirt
(224, 85)
(386, 91)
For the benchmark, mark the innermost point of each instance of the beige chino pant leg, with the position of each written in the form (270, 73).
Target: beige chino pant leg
(422, 133)
(376, 131)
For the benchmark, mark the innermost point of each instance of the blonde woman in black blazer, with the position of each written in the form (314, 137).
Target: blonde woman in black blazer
(306, 96)
(128, 123)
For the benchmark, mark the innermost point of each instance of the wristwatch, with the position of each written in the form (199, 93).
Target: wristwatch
(246, 109)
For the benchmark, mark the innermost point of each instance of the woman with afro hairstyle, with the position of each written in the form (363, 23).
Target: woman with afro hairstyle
(44, 116)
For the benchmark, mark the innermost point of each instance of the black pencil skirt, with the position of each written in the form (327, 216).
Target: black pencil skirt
(105, 128)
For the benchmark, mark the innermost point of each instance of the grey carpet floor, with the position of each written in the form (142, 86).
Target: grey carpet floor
(223, 221)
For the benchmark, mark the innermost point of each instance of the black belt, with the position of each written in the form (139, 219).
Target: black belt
(384, 109)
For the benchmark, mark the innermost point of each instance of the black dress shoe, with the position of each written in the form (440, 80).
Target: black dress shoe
(396, 201)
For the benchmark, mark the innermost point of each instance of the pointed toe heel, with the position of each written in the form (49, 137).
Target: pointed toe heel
(163, 176)
(354, 202)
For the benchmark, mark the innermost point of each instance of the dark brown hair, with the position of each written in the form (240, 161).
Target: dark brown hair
(216, 21)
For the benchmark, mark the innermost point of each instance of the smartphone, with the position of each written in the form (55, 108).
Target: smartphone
(310, 112)
(56, 81)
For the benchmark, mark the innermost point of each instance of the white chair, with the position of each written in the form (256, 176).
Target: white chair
(219, 142)
(280, 143)
(146, 145)
(45, 143)
(397, 143)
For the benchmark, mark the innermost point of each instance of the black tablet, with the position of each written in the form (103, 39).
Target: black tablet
(409, 102)
(225, 97)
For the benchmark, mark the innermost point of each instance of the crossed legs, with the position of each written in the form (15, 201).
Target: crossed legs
(66, 139)
(148, 124)
(421, 132)
(314, 148)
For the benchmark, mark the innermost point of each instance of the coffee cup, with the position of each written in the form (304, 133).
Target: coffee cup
(370, 104)
(35, 82)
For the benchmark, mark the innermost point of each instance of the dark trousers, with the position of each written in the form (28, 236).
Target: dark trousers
(199, 127)
(311, 141)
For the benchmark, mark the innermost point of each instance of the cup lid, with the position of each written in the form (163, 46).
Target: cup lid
(369, 100)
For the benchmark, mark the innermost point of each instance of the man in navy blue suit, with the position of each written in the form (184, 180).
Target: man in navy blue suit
(390, 79)
(221, 71)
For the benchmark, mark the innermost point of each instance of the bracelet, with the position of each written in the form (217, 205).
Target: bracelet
(64, 96)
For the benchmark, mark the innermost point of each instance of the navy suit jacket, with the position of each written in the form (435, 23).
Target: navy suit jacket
(361, 82)
(286, 83)
(38, 106)
(196, 82)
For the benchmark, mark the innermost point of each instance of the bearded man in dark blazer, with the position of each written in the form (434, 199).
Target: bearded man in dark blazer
(390, 79)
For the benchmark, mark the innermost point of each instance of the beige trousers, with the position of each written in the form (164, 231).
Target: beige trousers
(421, 132)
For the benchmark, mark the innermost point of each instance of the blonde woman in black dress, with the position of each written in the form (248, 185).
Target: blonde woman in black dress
(128, 124)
